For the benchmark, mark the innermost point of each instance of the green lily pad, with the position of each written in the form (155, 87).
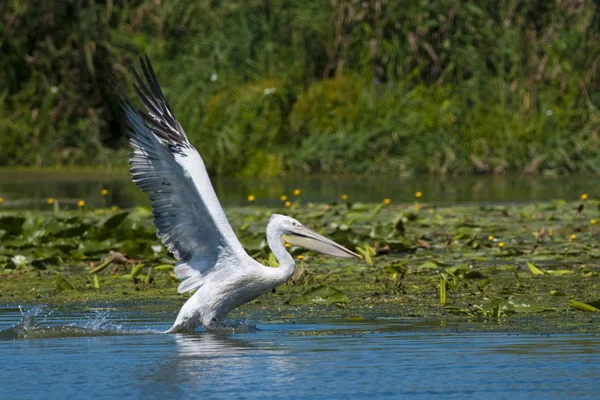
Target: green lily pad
(116, 220)
(322, 294)
(72, 231)
(254, 243)
(43, 263)
(432, 264)
(400, 246)
(518, 306)
(13, 225)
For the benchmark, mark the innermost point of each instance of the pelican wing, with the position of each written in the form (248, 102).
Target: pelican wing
(164, 164)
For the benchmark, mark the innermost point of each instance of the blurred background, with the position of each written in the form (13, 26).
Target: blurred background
(272, 87)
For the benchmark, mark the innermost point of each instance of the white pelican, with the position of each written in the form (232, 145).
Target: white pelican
(191, 221)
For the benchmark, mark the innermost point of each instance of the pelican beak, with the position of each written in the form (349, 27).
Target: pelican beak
(303, 237)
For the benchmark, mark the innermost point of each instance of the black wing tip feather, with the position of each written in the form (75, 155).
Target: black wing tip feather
(158, 115)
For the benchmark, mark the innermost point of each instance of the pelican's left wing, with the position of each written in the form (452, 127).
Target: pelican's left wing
(164, 164)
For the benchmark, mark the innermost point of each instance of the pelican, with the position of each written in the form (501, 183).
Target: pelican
(191, 222)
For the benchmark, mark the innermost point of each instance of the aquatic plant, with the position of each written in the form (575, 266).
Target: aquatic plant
(446, 263)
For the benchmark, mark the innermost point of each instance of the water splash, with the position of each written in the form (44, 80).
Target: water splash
(36, 324)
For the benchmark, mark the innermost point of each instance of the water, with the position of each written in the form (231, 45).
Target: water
(32, 189)
(110, 354)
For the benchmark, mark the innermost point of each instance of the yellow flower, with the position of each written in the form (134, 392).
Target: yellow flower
(418, 194)
(387, 201)
(573, 237)
(251, 197)
(501, 244)
(490, 238)
(288, 203)
(283, 197)
(300, 257)
(593, 221)
(344, 197)
(1, 200)
(297, 192)
(80, 203)
(584, 196)
(104, 192)
(287, 245)
(50, 201)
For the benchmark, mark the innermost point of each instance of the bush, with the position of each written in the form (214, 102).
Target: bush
(368, 87)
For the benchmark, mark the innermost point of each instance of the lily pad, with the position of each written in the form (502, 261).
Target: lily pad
(253, 243)
(322, 294)
(432, 264)
(115, 220)
(13, 225)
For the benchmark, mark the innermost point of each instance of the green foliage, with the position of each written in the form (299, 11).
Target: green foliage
(444, 263)
(265, 88)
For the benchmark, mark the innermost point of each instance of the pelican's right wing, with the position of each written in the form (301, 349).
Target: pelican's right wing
(164, 164)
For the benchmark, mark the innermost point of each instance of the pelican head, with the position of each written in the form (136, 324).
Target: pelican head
(296, 234)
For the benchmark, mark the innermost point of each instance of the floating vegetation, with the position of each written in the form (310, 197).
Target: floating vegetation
(582, 306)
(417, 263)
(321, 295)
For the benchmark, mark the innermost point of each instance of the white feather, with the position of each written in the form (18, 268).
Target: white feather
(190, 219)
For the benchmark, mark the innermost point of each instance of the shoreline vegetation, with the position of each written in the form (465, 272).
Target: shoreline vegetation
(342, 86)
(520, 268)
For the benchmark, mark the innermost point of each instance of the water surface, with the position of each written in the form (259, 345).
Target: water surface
(32, 189)
(112, 354)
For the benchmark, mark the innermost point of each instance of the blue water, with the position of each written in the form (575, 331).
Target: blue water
(110, 354)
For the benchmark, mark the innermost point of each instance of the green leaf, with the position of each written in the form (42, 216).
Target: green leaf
(63, 284)
(382, 232)
(582, 306)
(517, 306)
(42, 263)
(399, 226)
(432, 264)
(535, 270)
(115, 220)
(396, 268)
(253, 243)
(443, 287)
(11, 224)
(559, 272)
(164, 267)
(321, 295)
(101, 267)
(137, 269)
(400, 246)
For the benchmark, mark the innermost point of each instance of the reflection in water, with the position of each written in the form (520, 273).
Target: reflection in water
(32, 189)
(213, 363)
